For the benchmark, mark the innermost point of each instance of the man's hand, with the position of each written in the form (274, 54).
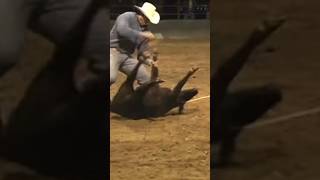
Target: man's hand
(154, 63)
(148, 35)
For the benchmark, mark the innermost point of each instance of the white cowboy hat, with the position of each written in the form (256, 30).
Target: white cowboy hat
(149, 10)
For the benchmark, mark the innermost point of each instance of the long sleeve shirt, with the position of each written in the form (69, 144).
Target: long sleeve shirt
(125, 34)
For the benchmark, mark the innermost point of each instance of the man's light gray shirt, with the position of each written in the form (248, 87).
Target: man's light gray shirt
(125, 34)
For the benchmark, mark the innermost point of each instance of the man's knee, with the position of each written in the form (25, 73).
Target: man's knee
(113, 77)
(143, 76)
(112, 80)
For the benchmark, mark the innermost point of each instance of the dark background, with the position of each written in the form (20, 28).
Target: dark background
(287, 150)
(168, 9)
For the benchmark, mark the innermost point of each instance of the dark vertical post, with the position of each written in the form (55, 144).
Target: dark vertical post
(178, 8)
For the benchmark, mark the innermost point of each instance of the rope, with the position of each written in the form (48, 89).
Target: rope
(285, 118)
(275, 120)
(204, 97)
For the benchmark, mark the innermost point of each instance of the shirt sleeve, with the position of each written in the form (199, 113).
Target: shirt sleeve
(126, 31)
(143, 46)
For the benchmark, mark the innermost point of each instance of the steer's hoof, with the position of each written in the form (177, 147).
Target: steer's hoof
(193, 70)
(181, 108)
(269, 25)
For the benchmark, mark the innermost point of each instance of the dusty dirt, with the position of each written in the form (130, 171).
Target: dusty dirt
(288, 150)
(171, 147)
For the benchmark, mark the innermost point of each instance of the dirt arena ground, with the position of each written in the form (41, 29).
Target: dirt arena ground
(288, 150)
(173, 147)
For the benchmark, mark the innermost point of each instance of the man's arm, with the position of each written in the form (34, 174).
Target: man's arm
(133, 35)
(126, 31)
(147, 51)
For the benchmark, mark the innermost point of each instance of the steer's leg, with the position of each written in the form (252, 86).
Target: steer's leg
(185, 96)
(32, 135)
(177, 89)
(240, 109)
(231, 67)
(154, 72)
(127, 89)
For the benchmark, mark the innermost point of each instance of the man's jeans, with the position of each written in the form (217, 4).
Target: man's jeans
(125, 63)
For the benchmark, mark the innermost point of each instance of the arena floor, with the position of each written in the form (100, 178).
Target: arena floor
(175, 146)
(290, 58)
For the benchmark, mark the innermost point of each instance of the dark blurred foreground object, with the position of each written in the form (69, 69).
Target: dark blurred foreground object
(234, 110)
(53, 20)
(56, 129)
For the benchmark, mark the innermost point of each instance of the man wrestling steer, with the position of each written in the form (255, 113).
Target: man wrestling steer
(233, 111)
(150, 99)
(128, 34)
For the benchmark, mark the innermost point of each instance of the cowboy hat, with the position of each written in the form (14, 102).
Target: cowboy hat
(149, 10)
